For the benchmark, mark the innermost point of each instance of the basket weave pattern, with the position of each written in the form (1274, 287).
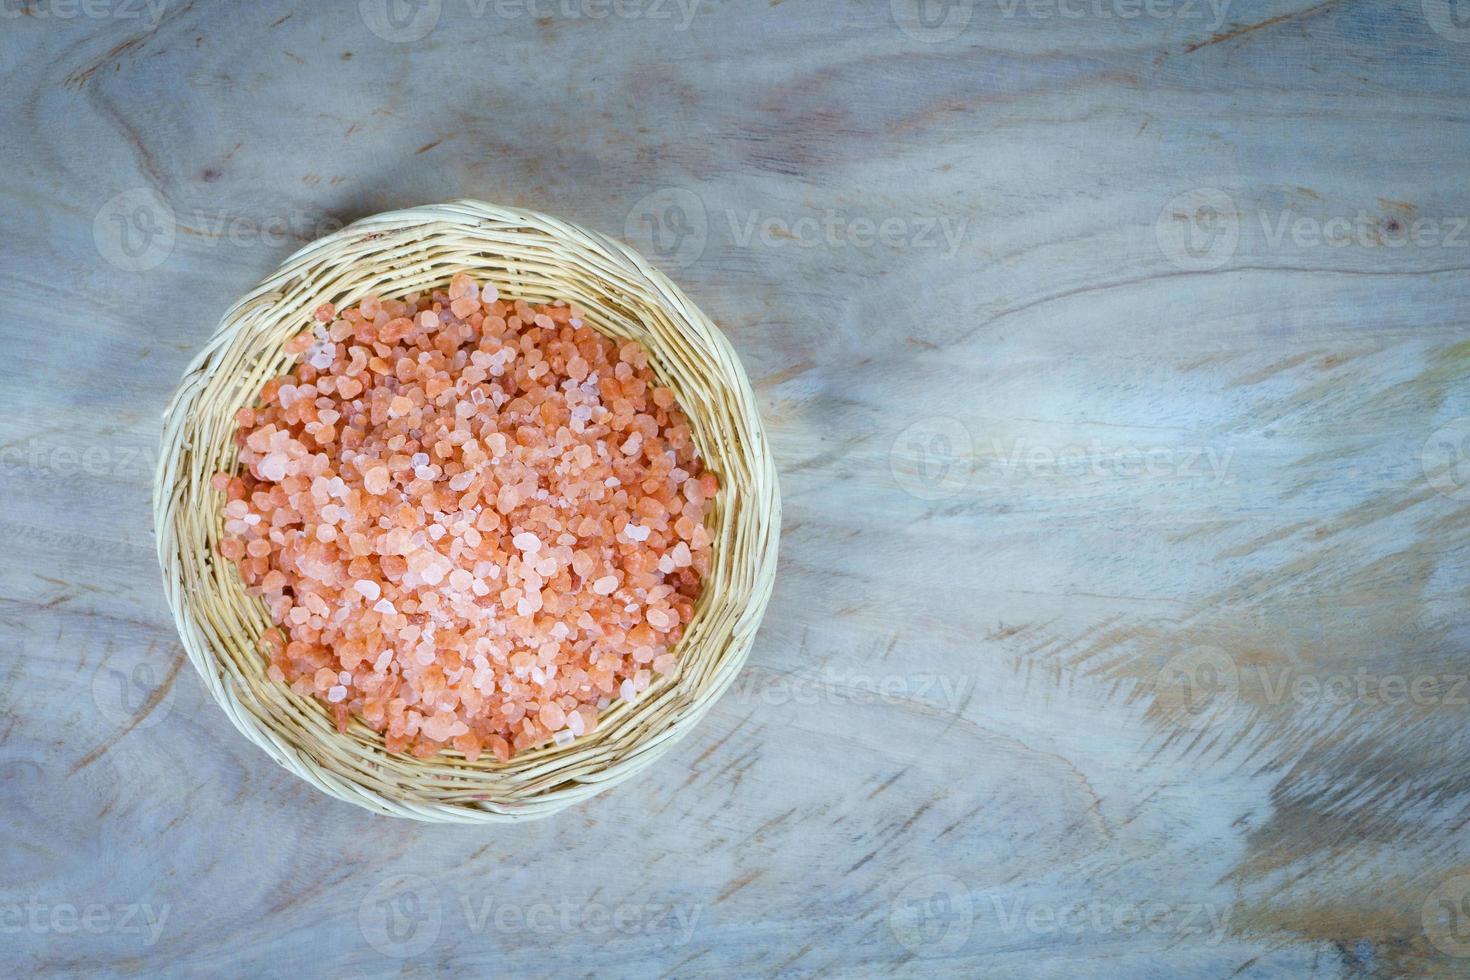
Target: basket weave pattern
(527, 256)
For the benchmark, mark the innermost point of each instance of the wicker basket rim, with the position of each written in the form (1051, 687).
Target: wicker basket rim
(545, 780)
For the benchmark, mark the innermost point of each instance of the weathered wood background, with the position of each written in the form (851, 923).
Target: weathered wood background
(1114, 354)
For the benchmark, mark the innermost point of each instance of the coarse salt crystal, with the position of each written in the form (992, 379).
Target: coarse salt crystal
(273, 467)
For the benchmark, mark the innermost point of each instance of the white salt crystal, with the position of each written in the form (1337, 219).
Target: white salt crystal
(273, 467)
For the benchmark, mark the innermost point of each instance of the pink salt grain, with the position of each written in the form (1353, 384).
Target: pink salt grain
(375, 480)
(439, 505)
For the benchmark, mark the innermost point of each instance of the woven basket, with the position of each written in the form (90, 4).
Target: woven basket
(527, 256)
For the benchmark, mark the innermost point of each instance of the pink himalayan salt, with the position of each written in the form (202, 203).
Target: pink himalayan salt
(474, 519)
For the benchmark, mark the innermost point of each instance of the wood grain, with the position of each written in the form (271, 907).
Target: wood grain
(1115, 366)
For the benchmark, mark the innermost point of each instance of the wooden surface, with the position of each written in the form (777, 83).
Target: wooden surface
(1121, 625)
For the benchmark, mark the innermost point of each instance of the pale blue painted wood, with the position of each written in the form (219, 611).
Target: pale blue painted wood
(1119, 503)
